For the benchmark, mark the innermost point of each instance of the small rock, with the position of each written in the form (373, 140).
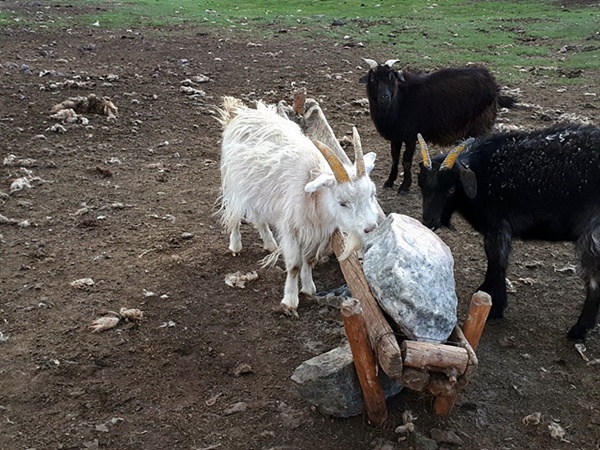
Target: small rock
(187, 235)
(236, 408)
(446, 437)
(424, 443)
(242, 369)
(382, 444)
(102, 427)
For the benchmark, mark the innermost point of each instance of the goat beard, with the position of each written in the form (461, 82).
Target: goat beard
(352, 243)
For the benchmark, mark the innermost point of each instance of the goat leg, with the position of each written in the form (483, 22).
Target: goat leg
(497, 249)
(588, 248)
(407, 158)
(395, 149)
(589, 313)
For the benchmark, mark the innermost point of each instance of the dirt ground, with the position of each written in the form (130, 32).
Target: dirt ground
(130, 202)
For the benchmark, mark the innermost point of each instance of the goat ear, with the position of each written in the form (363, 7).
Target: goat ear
(364, 79)
(400, 76)
(369, 162)
(323, 180)
(468, 181)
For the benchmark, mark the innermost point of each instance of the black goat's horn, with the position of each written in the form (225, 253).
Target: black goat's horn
(391, 62)
(450, 159)
(339, 171)
(371, 62)
(359, 159)
(424, 151)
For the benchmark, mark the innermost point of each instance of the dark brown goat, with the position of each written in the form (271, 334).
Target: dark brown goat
(444, 106)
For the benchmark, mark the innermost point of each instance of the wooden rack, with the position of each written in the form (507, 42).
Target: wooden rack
(442, 370)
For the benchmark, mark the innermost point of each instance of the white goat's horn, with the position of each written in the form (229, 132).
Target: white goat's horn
(359, 159)
(424, 151)
(391, 62)
(371, 62)
(339, 171)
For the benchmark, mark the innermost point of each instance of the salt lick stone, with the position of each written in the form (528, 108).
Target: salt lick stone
(411, 273)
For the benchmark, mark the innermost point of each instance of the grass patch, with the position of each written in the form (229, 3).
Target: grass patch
(425, 34)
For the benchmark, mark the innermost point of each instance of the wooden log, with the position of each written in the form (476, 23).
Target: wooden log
(479, 309)
(440, 386)
(382, 337)
(364, 362)
(435, 357)
(414, 379)
(299, 101)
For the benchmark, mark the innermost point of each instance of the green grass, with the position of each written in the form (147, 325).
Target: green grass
(425, 34)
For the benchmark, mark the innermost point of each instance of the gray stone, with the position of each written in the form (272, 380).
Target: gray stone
(411, 273)
(446, 437)
(424, 443)
(329, 382)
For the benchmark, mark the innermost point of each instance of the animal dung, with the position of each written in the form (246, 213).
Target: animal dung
(90, 104)
(131, 314)
(239, 279)
(104, 323)
(109, 322)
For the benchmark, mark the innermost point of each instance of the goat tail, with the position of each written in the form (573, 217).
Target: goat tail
(506, 101)
(271, 259)
(231, 106)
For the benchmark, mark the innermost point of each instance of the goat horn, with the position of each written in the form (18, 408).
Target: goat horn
(424, 151)
(371, 62)
(451, 157)
(339, 171)
(359, 159)
(391, 62)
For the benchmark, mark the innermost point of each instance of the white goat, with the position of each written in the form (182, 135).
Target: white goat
(273, 174)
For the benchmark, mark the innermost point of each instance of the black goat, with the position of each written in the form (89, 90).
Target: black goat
(541, 185)
(444, 106)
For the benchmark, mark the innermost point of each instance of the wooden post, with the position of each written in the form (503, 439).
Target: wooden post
(364, 361)
(479, 309)
(382, 338)
(473, 329)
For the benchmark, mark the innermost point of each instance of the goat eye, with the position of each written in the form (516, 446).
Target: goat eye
(451, 190)
(344, 204)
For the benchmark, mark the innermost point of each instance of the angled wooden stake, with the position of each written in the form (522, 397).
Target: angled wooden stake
(382, 338)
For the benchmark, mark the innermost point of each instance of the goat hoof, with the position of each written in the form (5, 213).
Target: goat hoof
(577, 333)
(388, 184)
(403, 191)
(286, 310)
(495, 317)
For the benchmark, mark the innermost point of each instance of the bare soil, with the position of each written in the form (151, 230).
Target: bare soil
(130, 204)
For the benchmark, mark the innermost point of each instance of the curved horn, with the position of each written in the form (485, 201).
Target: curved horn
(451, 157)
(371, 62)
(391, 62)
(334, 162)
(424, 151)
(359, 160)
